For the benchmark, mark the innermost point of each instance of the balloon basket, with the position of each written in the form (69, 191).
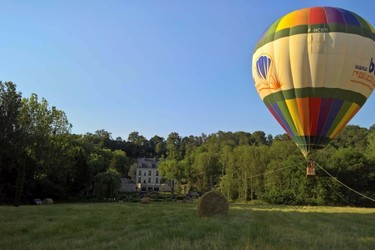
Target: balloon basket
(310, 169)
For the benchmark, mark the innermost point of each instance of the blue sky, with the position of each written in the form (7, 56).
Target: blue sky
(154, 67)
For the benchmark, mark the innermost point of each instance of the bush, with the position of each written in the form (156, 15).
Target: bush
(213, 203)
(107, 183)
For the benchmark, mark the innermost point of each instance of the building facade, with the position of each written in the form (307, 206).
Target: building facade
(144, 177)
(147, 174)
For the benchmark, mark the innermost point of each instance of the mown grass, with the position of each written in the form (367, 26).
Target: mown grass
(167, 225)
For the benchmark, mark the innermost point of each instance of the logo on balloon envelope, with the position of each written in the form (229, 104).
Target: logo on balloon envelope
(263, 66)
(266, 79)
(365, 75)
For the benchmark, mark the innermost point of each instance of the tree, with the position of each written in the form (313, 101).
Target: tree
(370, 150)
(174, 147)
(12, 168)
(29, 132)
(286, 170)
(352, 136)
(159, 146)
(352, 167)
(120, 162)
(208, 170)
(259, 138)
(81, 175)
(169, 170)
(107, 183)
(138, 145)
(228, 183)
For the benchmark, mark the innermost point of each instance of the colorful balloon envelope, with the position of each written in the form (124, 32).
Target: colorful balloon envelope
(314, 69)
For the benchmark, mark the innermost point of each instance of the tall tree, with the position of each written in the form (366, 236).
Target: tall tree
(174, 147)
(120, 162)
(170, 171)
(138, 145)
(159, 146)
(46, 146)
(12, 168)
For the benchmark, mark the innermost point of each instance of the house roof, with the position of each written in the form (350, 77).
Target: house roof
(147, 163)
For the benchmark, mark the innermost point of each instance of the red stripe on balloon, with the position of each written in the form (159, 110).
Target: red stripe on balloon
(314, 108)
(317, 16)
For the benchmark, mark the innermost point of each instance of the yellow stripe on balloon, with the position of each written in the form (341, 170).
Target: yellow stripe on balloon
(371, 27)
(293, 110)
(294, 18)
(349, 114)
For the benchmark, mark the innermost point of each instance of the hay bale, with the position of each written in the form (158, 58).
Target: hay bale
(213, 203)
(47, 201)
(145, 200)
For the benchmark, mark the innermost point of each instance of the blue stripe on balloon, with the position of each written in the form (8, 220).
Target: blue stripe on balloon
(325, 106)
(350, 18)
(275, 110)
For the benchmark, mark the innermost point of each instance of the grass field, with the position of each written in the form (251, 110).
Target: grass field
(167, 225)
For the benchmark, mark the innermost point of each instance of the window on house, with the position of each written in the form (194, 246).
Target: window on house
(144, 181)
(157, 173)
(157, 180)
(149, 172)
(139, 179)
(144, 173)
(149, 180)
(139, 172)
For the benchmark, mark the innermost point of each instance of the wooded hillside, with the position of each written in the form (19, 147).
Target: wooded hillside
(40, 157)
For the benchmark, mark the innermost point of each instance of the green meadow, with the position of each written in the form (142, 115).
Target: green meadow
(169, 225)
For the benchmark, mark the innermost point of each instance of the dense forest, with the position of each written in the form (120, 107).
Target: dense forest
(40, 157)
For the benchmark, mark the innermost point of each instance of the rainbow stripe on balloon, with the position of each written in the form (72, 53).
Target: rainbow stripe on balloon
(309, 20)
(310, 116)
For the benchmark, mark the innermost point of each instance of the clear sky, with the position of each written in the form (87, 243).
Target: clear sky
(154, 67)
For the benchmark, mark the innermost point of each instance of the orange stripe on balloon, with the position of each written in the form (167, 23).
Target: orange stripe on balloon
(303, 111)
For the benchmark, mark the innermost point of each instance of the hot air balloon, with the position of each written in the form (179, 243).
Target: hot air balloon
(314, 68)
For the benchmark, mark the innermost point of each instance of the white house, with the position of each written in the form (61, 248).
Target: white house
(147, 175)
(145, 178)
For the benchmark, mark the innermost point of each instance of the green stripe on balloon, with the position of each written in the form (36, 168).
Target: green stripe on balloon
(346, 95)
(285, 112)
(364, 31)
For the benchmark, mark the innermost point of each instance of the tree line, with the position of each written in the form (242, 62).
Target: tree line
(40, 157)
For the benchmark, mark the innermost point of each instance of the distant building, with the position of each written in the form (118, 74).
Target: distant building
(146, 177)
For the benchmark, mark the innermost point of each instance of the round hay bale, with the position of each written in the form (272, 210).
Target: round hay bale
(145, 200)
(213, 203)
(47, 201)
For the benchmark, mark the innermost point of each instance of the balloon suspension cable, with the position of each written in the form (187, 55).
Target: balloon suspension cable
(351, 189)
(273, 171)
(333, 190)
